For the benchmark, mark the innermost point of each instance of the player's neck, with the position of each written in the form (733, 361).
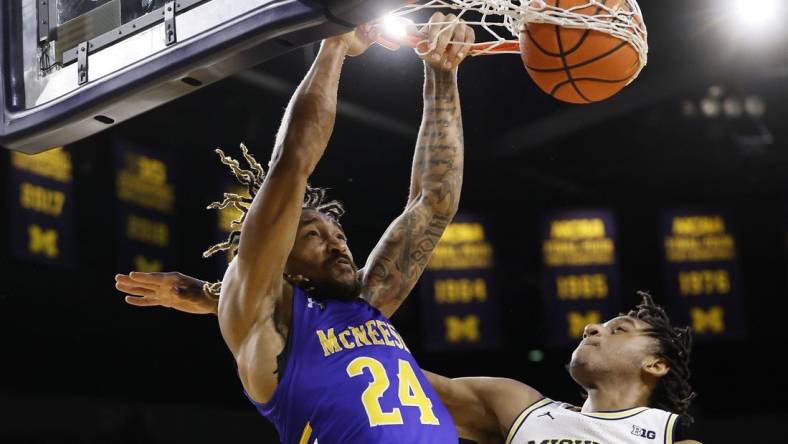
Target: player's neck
(615, 396)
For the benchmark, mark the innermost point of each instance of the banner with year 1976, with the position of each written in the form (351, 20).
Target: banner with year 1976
(702, 276)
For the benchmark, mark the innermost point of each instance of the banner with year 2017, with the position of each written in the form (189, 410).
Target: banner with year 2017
(41, 204)
(581, 275)
(702, 276)
(146, 209)
(460, 306)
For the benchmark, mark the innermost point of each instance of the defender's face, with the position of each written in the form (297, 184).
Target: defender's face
(321, 254)
(619, 347)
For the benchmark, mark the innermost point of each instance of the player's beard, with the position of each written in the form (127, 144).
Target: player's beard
(349, 290)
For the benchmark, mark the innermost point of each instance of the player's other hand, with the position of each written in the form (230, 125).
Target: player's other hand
(173, 290)
(357, 41)
(450, 41)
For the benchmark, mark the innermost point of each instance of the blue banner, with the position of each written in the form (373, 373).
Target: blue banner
(145, 210)
(702, 278)
(460, 305)
(41, 201)
(581, 275)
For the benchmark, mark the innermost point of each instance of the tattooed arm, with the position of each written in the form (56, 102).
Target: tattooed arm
(401, 255)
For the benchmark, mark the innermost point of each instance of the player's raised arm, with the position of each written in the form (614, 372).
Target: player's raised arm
(253, 287)
(483, 409)
(401, 255)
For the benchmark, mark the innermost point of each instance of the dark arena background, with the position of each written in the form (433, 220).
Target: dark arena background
(678, 186)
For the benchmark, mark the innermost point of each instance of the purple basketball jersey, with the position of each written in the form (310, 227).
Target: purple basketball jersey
(350, 378)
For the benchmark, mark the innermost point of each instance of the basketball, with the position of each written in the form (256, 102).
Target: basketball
(580, 65)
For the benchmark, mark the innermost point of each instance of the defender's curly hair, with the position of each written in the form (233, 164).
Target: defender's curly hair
(673, 392)
(252, 179)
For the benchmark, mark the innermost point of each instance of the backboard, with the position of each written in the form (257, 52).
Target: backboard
(72, 68)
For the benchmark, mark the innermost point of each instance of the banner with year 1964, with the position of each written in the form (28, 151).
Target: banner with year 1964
(460, 308)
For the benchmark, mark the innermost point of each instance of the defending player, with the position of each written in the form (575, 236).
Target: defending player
(308, 331)
(633, 368)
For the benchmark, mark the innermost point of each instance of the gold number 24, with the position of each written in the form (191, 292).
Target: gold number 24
(410, 392)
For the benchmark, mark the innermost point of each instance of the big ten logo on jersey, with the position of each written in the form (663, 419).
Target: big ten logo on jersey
(643, 433)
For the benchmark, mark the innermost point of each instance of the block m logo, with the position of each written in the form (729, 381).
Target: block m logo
(145, 265)
(707, 321)
(577, 321)
(459, 329)
(42, 242)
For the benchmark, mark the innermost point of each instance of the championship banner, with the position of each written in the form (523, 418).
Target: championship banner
(701, 273)
(146, 209)
(460, 308)
(581, 276)
(41, 202)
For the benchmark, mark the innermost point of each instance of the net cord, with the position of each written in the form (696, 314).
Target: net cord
(502, 21)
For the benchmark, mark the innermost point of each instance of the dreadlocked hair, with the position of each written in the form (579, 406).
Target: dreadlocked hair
(673, 392)
(253, 179)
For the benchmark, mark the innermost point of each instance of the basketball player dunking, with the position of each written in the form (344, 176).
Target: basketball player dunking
(634, 368)
(309, 332)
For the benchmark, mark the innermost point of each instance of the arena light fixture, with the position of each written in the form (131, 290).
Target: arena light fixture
(396, 27)
(756, 15)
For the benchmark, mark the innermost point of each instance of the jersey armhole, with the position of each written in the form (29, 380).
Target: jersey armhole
(283, 359)
(671, 428)
(518, 422)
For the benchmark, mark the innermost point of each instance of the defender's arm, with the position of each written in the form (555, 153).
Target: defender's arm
(483, 409)
(401, 255)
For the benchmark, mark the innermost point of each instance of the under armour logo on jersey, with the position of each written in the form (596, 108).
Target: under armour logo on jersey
(310, 303)
(546, 414)
(643, 433)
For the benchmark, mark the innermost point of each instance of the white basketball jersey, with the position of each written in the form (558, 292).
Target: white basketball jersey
(550, 422)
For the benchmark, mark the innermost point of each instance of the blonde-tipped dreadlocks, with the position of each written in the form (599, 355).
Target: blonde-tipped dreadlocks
(252, 179)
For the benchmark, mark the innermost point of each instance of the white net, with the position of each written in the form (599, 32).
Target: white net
(502, 20)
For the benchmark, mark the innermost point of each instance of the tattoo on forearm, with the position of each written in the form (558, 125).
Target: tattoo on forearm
(437, 168)
(405, 250)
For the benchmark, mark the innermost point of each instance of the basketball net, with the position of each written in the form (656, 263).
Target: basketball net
(502, 20)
